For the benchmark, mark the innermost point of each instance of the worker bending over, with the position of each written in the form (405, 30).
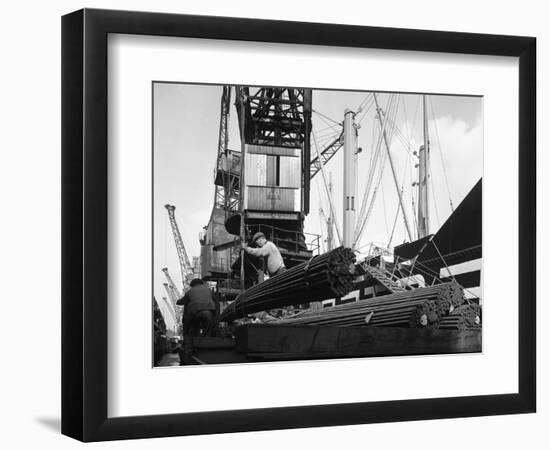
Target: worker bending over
(269, 251)
(199, 314)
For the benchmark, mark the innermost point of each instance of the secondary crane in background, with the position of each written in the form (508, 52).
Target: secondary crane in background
(326, 154)
(171, 294)
(174, 294)
(171, 282)
(171, 310)
(185, 265)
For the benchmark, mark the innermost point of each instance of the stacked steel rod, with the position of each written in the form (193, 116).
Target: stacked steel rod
(465, 317)
(322, 277)
(421, 307)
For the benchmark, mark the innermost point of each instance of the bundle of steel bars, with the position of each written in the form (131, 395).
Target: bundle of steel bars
(325, 276)
(421, 307)
(465, 317)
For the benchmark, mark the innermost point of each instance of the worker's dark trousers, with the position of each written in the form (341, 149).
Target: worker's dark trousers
(192, 326)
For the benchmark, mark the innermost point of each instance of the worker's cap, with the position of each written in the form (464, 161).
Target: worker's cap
(196, 282)
(258, 236)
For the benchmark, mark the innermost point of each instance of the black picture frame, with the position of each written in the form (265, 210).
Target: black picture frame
(84, 224)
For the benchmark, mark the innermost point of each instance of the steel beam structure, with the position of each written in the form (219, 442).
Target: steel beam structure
(326, 154)
(279, 117)
(227, 183)
(185, 265)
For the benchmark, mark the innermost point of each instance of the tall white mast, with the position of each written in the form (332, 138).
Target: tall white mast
(350, 177)
(423, 179)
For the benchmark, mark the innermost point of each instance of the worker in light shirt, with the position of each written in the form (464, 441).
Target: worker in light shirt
(269, 252)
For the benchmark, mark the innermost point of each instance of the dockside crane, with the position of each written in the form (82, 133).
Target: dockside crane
(174, 294)
(174, 309)
(171, 294)
(326, 154)
(171, 311)
(227, 176)
(171, 282)
(185, 265)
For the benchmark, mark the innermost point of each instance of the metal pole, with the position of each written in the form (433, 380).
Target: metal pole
(423, 170)
(330, 230)
(242, 185)
(350, 177)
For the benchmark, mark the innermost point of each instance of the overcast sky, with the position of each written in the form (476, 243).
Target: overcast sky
(186, 122)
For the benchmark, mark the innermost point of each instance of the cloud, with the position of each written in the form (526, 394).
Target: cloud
(458, 148)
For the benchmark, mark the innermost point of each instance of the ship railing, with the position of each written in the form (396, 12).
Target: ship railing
(376, 254)
(291, 240)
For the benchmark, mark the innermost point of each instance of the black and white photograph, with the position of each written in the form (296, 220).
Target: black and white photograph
(275, 225)
(292, 223)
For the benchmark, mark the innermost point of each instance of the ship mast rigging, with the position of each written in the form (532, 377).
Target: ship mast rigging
(387, 145)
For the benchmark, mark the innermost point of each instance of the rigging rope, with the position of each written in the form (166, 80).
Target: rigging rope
(372, 141)
(413, 192)
(373, 198)
(402, 138)
(404, 176)
(325, 143)
(385, 212)
(327, 188)
(434, 202)
(330, 128)
(367, 109)
(322, 209)
(375, 157)
(394, 224)
(416, 110)
(435, 275)
(367, 97)
(326, 117)
(406, 122)
(386, 156)
(396, 182)
(323, 243)
(441, 155)
(443, 260)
